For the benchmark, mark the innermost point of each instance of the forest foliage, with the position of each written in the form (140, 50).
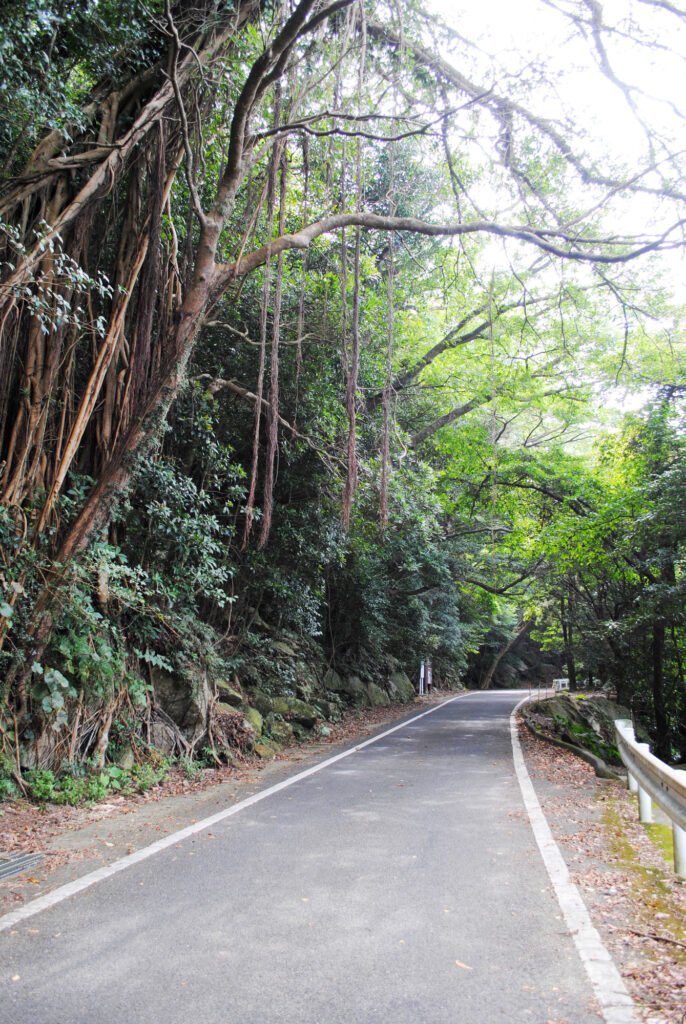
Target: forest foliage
(315, 326)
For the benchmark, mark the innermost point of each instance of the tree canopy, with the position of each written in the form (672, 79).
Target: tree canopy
(316, 321)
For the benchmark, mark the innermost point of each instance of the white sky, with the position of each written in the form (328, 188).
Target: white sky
(527, 35)
(521, 32)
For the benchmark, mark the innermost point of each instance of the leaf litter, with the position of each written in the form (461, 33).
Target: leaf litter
(635, 900)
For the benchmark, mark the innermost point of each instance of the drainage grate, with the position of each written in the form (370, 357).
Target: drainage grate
(16, 863)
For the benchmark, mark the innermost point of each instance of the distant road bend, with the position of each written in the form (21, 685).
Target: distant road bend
(401, 884)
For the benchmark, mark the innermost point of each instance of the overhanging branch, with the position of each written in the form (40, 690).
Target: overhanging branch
(556, 242)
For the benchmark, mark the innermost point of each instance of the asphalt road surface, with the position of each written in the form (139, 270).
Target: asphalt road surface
(400, 885)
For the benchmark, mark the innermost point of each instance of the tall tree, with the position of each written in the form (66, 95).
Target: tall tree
(146, 210)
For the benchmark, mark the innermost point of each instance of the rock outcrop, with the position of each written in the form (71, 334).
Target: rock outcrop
(282, 691)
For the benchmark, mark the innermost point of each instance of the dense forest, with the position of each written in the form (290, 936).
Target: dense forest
(333, 337)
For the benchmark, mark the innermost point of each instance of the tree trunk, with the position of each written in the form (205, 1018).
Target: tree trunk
(567, 637)
(663, 748)
(522, 630)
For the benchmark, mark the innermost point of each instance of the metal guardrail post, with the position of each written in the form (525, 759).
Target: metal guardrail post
(679, 846)
(657, 783)
(645, 803)
(630, 735)
(679, 841)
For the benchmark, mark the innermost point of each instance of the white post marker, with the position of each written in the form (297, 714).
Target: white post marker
(421, 680)
(429, 675)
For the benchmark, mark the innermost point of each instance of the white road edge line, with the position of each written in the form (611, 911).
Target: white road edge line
(64, 892)
(616, 1004)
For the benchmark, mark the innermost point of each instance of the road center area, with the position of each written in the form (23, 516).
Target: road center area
(397, 883)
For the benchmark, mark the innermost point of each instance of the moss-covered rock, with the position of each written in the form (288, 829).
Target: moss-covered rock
(229, 694)
(254, 719)
(378, 697)
(281, 732)
(185, 697)
(327, 709)
(282, 648)
(127, 758)
(296, 710)
(262, 701)
(280, 706)
(355, 691)
(583, 721)
(400, 686)
(333, 682)
(266, 750)
(224, 709)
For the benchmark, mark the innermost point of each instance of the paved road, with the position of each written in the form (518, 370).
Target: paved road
(401, 885)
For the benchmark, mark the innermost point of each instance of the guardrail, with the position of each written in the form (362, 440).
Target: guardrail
(541, 691)
(655, 781)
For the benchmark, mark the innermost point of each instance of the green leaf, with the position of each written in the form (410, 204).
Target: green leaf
(53, 677)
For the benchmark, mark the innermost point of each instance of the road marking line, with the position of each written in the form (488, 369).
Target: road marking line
(42, 903)
(616, 1004)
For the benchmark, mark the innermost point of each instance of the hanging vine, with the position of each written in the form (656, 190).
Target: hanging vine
(264, 325)
(273, 411)
(387, 399)
(353, 363)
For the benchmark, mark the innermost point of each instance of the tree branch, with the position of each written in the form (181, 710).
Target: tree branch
(508, 586)
(505, 109)
(216, 384)
(557, 243)
(449, 417)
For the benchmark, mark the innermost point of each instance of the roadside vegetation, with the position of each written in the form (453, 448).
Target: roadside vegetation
(319, 333)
